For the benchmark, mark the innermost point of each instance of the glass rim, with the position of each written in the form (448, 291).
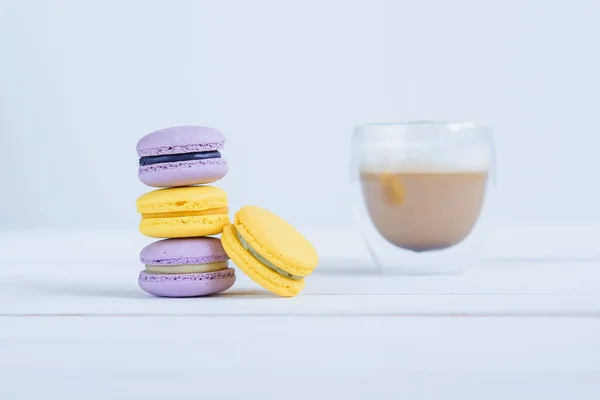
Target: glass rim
(450, 124)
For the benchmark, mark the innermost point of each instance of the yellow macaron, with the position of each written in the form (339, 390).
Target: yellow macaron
(183, 212)
(269, 250)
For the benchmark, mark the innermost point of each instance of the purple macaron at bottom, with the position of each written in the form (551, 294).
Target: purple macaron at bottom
(183, 173)
(187, 285)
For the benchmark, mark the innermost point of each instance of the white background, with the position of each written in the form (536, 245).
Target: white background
(81, 82)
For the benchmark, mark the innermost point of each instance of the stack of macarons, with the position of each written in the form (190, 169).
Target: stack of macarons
(184, 212)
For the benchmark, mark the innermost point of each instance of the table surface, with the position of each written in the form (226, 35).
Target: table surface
(74, 327)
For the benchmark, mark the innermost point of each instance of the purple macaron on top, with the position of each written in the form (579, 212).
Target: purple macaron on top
(183, 251)
(180, 139)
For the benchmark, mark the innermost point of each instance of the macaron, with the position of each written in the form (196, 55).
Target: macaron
(269, 250)
(183, 212)
(186, 267)
(181, 156)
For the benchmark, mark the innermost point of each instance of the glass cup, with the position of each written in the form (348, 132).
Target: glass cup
(422, 192)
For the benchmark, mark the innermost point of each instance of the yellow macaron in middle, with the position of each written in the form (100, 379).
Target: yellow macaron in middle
(269, 250)
(183, 212)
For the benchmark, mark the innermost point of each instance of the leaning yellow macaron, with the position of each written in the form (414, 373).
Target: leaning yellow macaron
(269, 250)
(183, 212)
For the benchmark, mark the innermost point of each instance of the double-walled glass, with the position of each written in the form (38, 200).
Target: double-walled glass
(422, 193)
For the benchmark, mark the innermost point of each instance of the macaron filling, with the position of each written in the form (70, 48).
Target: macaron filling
(169, 158)
(187, 268)
(263, 260)
(178, 214)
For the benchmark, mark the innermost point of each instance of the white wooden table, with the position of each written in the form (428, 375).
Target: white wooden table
(74, 324)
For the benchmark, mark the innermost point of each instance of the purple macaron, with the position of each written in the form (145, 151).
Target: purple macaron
(181, 156)
(187, 267)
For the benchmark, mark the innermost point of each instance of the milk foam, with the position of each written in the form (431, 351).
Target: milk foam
(391, 157)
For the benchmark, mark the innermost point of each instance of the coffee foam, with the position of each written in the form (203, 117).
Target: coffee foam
(390, 157)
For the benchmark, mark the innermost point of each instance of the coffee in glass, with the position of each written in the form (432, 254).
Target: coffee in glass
(422, 189)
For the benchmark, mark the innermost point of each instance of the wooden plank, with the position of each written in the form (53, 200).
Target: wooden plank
(270, 358)
(97, 291)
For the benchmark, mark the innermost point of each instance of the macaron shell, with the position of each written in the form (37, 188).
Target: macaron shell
(183, 173)
(264, 276)
(179, 199)
(186, 285)
(276, 240)
(197, 250)
(183, 227)
(180, 139)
